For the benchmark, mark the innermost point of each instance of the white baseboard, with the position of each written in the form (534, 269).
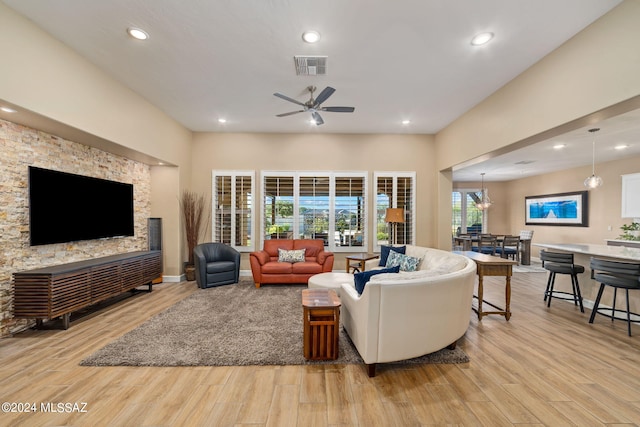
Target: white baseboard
(182, 277)
(174, 279)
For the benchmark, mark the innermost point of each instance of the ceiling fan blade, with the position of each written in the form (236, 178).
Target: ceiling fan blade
(338, 109)
(286, 98)
(288, 114)
(326, 93)
(317, 118)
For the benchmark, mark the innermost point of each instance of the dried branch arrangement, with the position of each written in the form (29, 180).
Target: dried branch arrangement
(194, 209)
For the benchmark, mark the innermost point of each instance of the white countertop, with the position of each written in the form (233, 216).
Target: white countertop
(621, 252)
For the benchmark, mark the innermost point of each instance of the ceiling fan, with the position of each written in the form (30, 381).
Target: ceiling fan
(313, 105)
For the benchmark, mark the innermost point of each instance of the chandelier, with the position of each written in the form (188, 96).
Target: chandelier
(593, 181)
(485, 201)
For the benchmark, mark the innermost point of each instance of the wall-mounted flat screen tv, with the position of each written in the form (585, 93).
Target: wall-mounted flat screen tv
(65, 207)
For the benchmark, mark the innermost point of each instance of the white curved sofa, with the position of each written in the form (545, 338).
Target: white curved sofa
(404, 315)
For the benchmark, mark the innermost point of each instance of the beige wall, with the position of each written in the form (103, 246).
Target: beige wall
(42, 75)
(604, 202)
(507, 215)
(333, 152)
(596, 69)
(21, 147)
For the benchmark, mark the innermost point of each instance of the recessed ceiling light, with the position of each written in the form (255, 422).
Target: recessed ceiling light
(621, 147)
(559, 146)
(311, 36)
(8, 110)
(313, 122)
(137, 33)
(482, 38)
(221, 120)
(406, 122)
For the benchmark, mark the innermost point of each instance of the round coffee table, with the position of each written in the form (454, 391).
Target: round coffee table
(332, 280)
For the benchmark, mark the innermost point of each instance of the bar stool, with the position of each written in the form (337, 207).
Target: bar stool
(624, 275)
(561, 263)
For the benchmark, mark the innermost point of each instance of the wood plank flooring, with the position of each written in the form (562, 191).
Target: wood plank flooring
(545, 367)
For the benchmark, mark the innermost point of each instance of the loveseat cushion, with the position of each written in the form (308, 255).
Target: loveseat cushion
(312, 247)
(275, 267)
(307, 267)
(384, 253)
(271, 246)
(361, 279)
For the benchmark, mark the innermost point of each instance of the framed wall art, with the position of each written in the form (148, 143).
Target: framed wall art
(569, 209)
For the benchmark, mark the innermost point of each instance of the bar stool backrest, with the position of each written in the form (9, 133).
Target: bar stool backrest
(556, 257)
(616, 268)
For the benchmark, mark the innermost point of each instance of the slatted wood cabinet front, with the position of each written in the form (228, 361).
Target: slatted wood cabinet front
(50, 292)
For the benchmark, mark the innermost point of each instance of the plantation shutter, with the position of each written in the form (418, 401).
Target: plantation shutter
(314, 207)
(278, 204)
(350, 217)
(233, 208)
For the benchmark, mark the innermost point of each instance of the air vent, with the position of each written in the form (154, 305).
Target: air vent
(524, 162)
(310, 65)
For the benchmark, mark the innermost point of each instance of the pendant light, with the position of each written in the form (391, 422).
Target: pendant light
(593, 181)
(485, 201)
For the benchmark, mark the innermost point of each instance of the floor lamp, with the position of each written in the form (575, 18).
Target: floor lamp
(394, 216)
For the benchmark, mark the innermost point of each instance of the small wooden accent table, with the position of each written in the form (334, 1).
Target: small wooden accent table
(488, 265)
(321, 323)
(360, 260)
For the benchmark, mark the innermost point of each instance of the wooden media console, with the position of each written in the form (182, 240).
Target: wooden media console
(50, 292)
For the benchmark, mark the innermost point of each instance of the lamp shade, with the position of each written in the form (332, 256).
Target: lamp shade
(394, 215)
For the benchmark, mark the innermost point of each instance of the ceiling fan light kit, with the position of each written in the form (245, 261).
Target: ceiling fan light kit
(314, 105)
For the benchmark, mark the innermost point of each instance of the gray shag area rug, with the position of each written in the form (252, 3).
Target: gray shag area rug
(231, 325)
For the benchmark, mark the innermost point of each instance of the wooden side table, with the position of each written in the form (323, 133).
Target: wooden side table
(359, 259)
(488, 265)
(321, 311)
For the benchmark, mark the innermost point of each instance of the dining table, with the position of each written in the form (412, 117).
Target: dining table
(467, 243)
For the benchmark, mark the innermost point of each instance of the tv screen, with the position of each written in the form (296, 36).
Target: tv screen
(65, 207)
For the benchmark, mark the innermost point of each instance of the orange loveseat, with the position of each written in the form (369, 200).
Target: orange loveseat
(266, 268)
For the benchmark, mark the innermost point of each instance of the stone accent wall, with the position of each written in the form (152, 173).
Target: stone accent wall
(21, 147)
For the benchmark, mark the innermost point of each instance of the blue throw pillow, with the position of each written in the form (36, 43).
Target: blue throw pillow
(361, 279)
(406, 262)
(384, 253)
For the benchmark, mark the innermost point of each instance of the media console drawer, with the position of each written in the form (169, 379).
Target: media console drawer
(50, 292)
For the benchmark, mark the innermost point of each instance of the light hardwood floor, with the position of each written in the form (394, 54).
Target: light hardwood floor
(543, 367)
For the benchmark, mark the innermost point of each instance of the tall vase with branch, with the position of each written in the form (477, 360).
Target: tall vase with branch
(194, 211)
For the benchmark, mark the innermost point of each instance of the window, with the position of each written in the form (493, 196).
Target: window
(466, 217)
(315, 205)
(232, 222)
(395, 190)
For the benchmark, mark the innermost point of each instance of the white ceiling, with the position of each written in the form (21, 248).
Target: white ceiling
(391, 60)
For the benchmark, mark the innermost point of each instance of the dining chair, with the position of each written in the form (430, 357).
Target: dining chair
(510, 248)
(618, 275)
(487, 244)
(561, 263)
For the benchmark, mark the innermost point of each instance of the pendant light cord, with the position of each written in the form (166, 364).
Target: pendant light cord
(593, 151)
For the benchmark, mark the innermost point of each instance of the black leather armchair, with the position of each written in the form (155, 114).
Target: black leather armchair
(216, 264)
